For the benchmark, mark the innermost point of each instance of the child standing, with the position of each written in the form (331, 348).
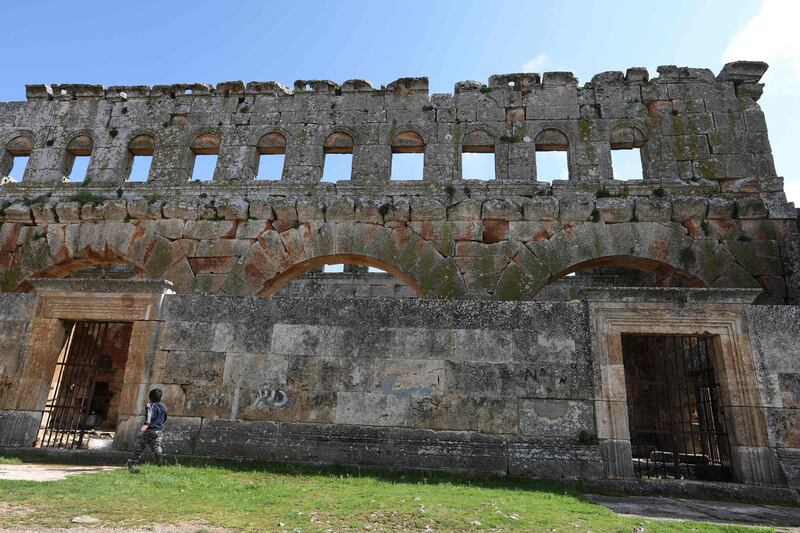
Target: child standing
(150, 435)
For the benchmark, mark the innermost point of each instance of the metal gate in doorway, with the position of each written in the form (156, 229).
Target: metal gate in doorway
(677, 425)
(73, 385)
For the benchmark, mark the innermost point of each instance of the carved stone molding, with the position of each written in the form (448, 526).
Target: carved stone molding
(753, 460)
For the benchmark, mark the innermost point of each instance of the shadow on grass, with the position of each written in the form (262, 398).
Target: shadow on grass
(394, 475)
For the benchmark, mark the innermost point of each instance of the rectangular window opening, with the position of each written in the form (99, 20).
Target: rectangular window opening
(18, 165)
(333, 269)
(140, 168)
(204, 166)
(551, 166)
(270, 167)
(477, 166)
(80, 165)
(337, 167)
(407, 166)
(626, 164)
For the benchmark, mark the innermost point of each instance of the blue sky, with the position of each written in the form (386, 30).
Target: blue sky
(147, 42)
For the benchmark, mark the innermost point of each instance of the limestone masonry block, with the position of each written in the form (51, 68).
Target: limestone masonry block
(18, 212)
(68, 212)
(615, 209)
(183, 209)
(501, 210)
(233, 208)
(424, 208)
(44, 213)
(684, 208)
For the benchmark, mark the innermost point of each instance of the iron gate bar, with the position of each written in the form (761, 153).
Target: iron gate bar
(75, 382)
(69, 396)
(75, 387)
(58, 407)
(48, 416)
(60, 402)
(676, 422)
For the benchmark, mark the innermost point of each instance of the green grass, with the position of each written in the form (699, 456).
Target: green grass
(280, 497)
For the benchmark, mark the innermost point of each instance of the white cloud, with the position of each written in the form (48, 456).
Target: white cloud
(770, 36)
(792, 189)
(536, 64)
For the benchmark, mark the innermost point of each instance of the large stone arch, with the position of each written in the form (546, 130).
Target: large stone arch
(275, 258)
(275, 284)
(62, 249)
(633, 262)
(643, 245)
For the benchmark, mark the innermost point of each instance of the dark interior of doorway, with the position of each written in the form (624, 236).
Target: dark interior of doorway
(85, 393)
(675, 416)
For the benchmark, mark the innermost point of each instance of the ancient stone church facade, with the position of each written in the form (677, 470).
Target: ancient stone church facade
(590, 327)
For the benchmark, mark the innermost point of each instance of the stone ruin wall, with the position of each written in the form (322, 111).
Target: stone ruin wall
(710, 209)
(477, 386)
(499, 387)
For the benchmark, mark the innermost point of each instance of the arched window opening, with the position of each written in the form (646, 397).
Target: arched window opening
(205, 150)
(628, 153)
(614, 271)
(344, 276)
(78, 156)
(270, 156)
(477, 157)
(349, 267)
(140, 151)
(552, 159)
(15, 157)
(408, 156)
(338, 157)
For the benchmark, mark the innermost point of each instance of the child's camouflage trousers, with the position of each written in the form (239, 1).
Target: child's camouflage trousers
(148, 439)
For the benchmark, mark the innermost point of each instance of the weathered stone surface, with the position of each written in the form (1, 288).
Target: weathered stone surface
(423, 208)
(652, 210)
(68, 212)
(410, 381)
(19, 428)
(561, 418)
(183, 209)
(208, 229)
(613, 210)
(233, 209)
(18, 212)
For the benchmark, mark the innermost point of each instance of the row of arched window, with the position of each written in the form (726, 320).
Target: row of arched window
(271, 148)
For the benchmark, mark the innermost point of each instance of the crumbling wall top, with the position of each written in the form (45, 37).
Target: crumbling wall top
(737, 72)
(690, 126)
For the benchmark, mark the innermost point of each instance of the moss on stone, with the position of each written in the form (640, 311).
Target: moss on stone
(585, 130)
(35, 200)
(513, 284)
(86, 197)
(10, 278)
(687, 258)
(706, 169)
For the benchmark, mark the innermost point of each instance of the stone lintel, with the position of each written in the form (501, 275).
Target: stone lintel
(674, 295)
(89, 285)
